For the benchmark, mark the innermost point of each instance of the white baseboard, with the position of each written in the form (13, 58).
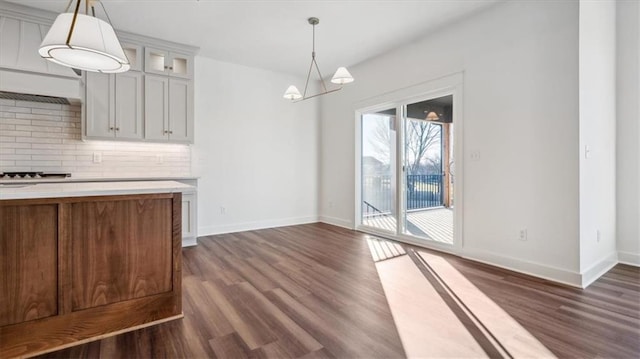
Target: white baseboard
(554, 274)
(250, 226)
(598, 269)
(337, 222)
(189, 242)
(632, 259)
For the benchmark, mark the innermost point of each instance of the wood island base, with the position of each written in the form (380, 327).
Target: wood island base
(78, 269)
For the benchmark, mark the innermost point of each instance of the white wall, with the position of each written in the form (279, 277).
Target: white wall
(46, 137)
(597, 132)
(520, 112)
(628, 132)
(256, 153)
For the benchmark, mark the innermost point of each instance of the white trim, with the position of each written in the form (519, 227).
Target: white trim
(632, 259)
(338, 222)
(598, 269)
(554, 274)
(250, 226)
(189, 242)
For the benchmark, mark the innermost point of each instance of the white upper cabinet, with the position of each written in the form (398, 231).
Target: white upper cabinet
(128, 105)
(19, 43)
(180, 110)
(99, 107)
(113, 106)
(134, 55)
(156, 107)
(168, 109)
(164, 62)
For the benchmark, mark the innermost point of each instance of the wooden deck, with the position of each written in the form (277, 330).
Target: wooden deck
(433, 224)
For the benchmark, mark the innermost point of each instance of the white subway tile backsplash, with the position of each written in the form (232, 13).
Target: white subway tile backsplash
(30, 105)
(16, 133)
(31, 116)
(15, 121)
(47, 137)
(7, 114)
(37, 140)
(13, 145)
(14, 109)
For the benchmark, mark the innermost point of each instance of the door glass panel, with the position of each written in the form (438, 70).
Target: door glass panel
(378, 170)
(427, 163)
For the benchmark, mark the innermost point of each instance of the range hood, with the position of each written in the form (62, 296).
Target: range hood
(22, 70)
(33, 83)
(34, 98)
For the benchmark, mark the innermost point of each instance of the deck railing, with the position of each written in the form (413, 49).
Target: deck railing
(423, 191)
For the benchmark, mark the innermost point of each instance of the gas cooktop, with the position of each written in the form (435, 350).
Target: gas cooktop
(31, 175)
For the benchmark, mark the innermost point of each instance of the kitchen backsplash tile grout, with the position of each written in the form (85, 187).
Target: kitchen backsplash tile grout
(47, 137)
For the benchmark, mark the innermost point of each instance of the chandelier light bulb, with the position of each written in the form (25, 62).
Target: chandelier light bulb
(342, 76)
(292, 93)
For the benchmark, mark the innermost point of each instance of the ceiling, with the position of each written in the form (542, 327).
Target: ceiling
(275, 35)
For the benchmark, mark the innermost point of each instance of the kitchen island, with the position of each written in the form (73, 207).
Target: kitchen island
(83, 261)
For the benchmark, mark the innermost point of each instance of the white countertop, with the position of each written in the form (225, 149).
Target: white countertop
(83, 189)
(94, 179)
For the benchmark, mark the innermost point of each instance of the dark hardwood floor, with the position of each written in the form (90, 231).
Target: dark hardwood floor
(312, 291)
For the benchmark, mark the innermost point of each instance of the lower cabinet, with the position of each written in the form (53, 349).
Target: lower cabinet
(189, 222)
(28, 263)
(78, 269)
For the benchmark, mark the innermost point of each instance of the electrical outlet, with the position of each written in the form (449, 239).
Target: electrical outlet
(598, 235)
(523, 234)
(223, 210)
(97, 157)
(475, 155)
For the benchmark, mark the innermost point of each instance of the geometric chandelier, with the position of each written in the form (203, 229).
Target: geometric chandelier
(341, 77)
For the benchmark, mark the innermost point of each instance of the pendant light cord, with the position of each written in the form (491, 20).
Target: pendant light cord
(106, 13)
(313, 64)
(73, 23)
(68, 6)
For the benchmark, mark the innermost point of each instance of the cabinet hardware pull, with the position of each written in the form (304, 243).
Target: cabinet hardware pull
(170, 67)
(171, 132)
(165, 132)
(166, 67)
(110, 128)
(117, 128)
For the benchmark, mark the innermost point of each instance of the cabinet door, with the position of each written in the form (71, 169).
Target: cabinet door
(28, 262)
(156, 61)
(134, 55)
(180, 110)
(156, 107)
(188, 219)
(99, 109)
(180, 65)
(128, 102)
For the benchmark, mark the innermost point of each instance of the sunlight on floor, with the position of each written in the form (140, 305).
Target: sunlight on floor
(434, 224)
(439, 313)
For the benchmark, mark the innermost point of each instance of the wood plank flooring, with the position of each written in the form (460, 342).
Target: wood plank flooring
(312, 291)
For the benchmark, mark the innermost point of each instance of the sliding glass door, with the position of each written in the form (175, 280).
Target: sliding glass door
(378, 186)
(415, 198)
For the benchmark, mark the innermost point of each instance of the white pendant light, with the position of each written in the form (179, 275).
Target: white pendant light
(84, 42)
(292, 93)
(341, 77)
